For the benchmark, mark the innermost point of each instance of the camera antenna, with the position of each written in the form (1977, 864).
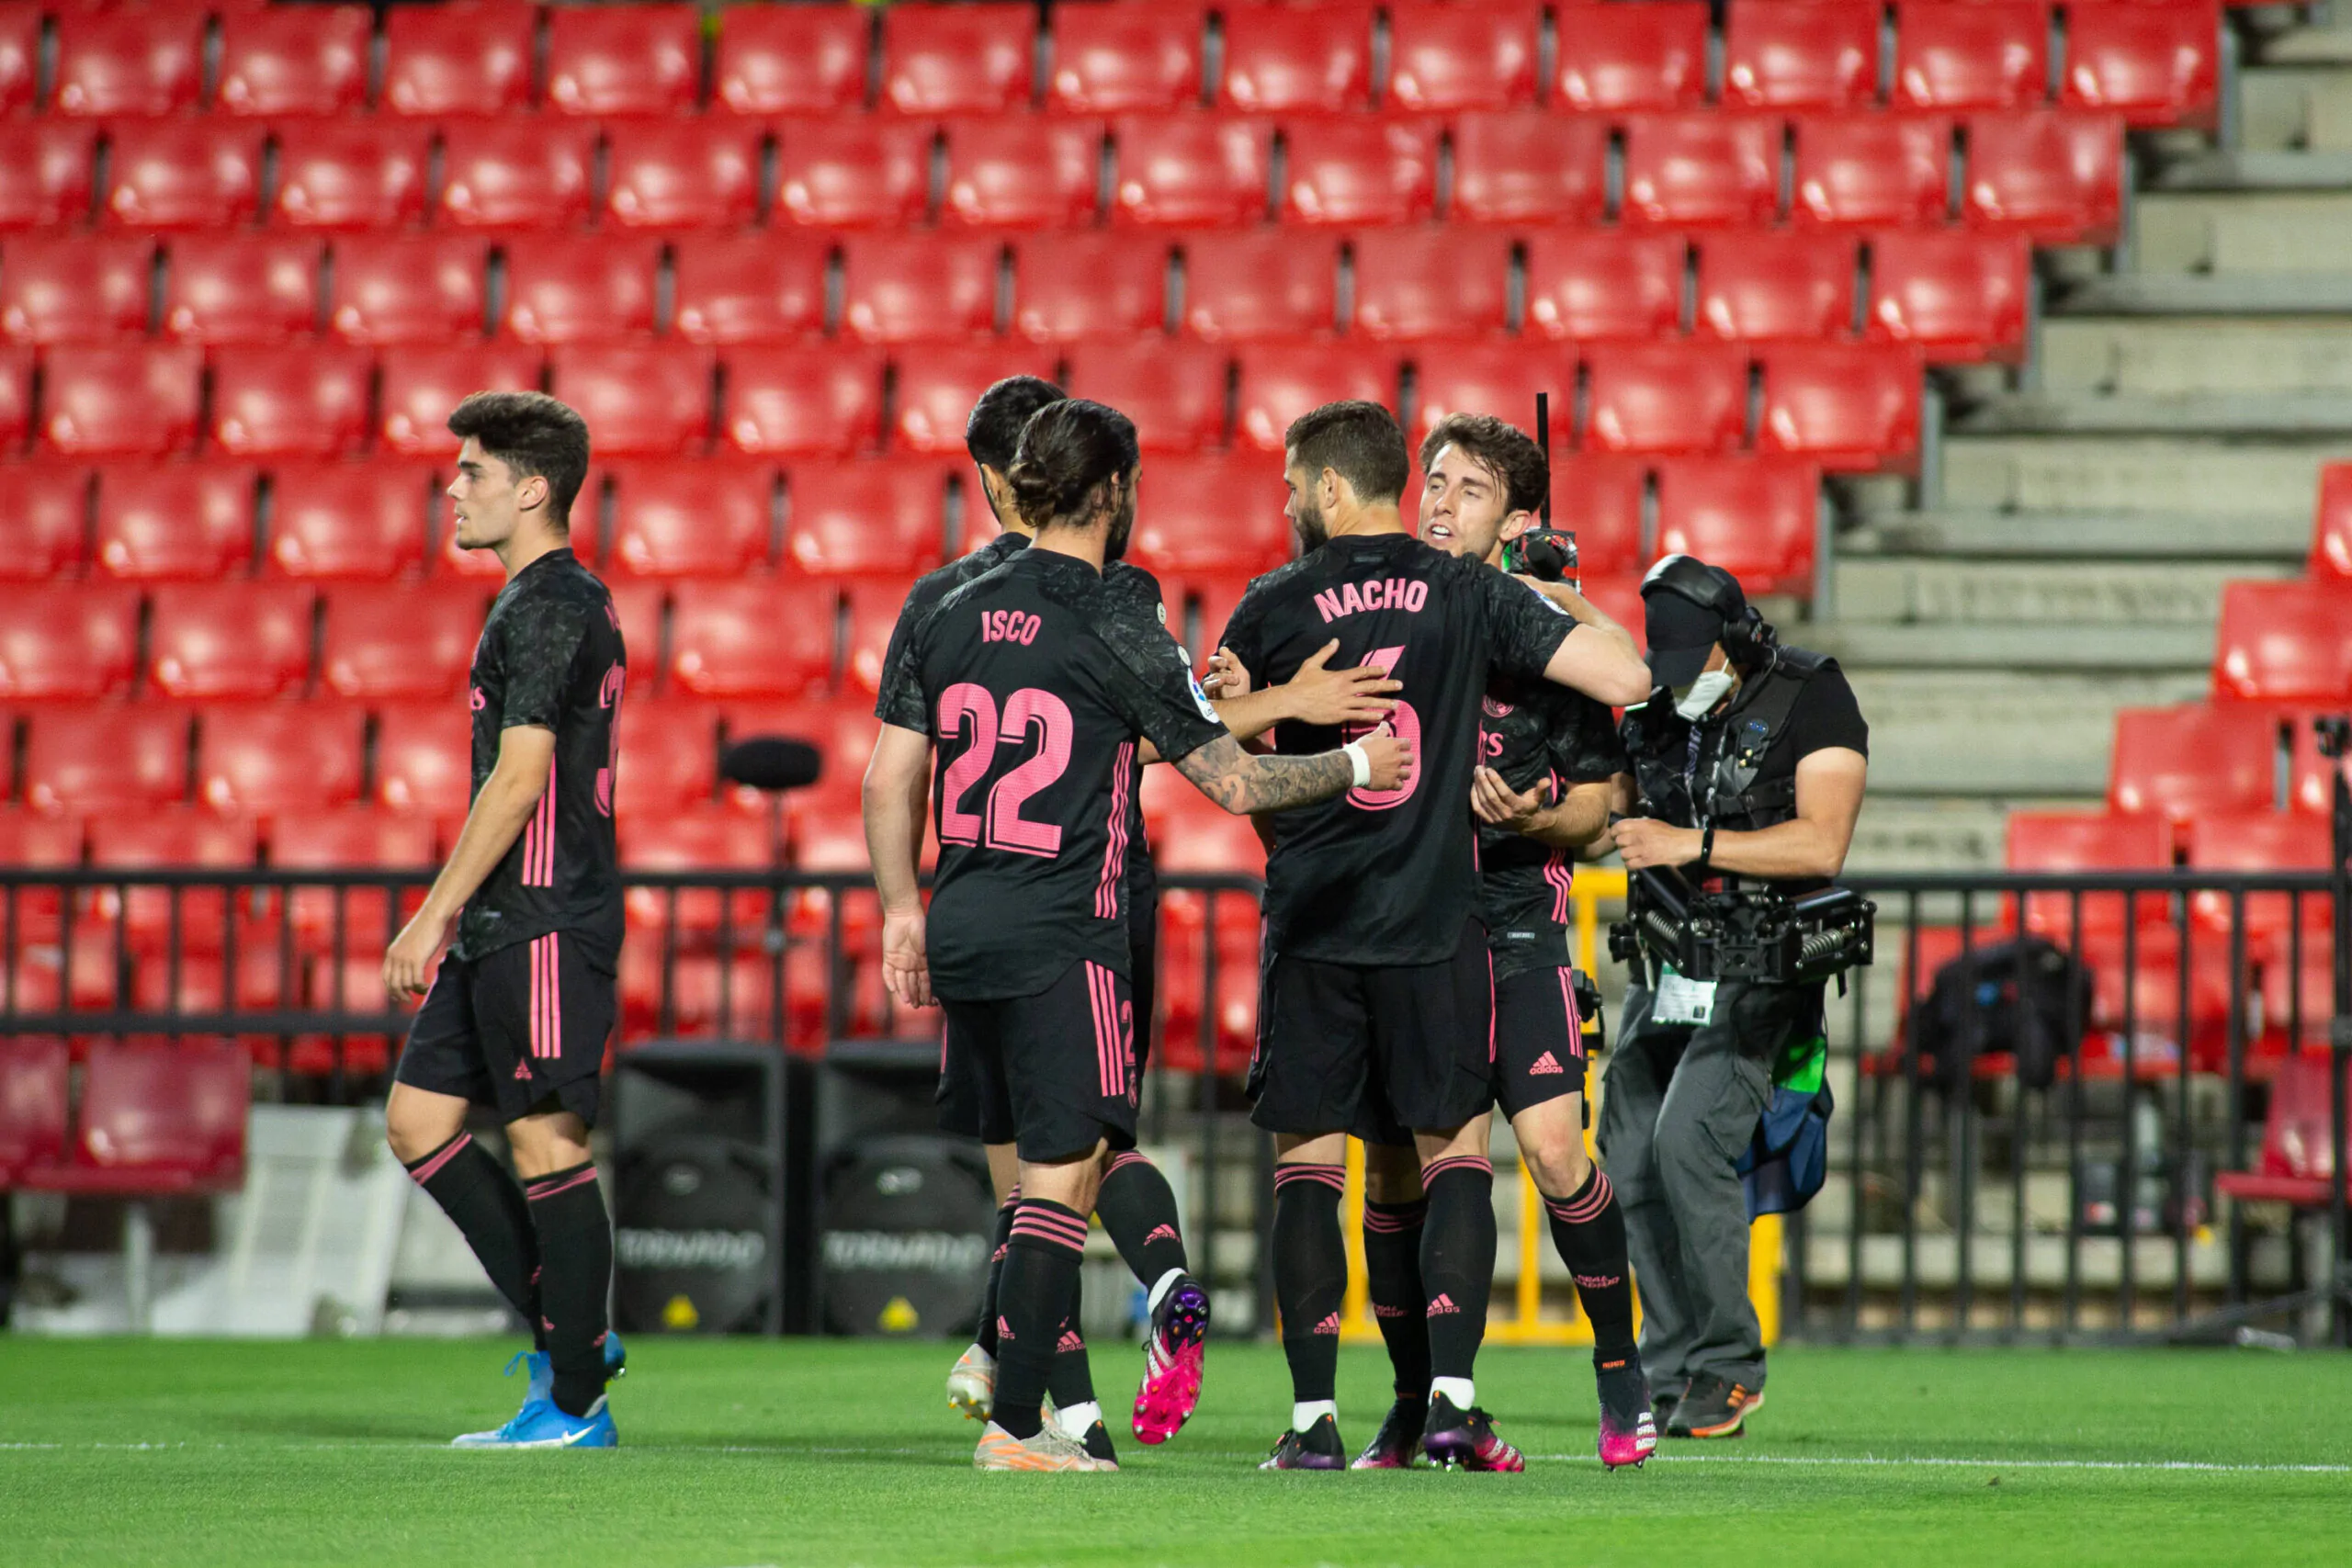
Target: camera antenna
(1544, 444)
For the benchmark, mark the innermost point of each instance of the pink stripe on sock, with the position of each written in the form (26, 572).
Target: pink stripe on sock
(1335, 1176)
(432, 1166)
(577, 1178)
(1436, 1168)
(1120, 1162)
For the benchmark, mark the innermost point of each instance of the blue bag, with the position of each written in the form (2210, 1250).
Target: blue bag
(1788, 1159)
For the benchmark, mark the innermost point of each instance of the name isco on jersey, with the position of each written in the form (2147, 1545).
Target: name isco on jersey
(1010, 625)
(1381, 593)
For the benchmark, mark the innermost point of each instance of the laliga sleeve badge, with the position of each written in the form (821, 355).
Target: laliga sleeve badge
(1201, 699)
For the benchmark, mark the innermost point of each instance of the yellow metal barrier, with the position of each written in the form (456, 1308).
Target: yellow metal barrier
(1526, 1324)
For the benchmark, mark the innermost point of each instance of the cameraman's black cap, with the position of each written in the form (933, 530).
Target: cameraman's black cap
(1681, 632)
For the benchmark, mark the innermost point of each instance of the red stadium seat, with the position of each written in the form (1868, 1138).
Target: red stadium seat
(1495, 378)
(1823, 56)
(1265, 287)
(1595, 286)
(36, 1075)
(1702, 171)
(229, 639)
(401, 641)
(1414, 283)
(45, 173)
(641, 606)
(1848, 409)
(854, 174)
(350, 173)
(623, 59)
(691, 519)
(2156, 65)
(121, 403)
(2332, 524)
(759, 639)
(248, 289)
(124, 758)
(458, 59)
(424, 759)
(16, 402)
(1021, 174)
(1287, 62)
(20, 27)
(1444, 58)
(422, 385)
(2261, 842)
(864, 519)
(516, 174)
(347, 839)
(751, 288)
(1279, 382)
(1991, 55)
(421, 289)
(1175, 394)
(307, 401)
(163, 1119)
(652, 401)
(975, 60)
(182, 174)
(186, 521)
(841, 730)
(789, 402)
(1211, 516)
(281, 62)
(2092, 841)
(1855, 171)
(873, 614)
(1072, 287)
(681, 174)
(1190, 171)
(127, 62)
(44, 516)
(918, 288)
(1757, 518)
(1759, 287)
(261, 759)
(937, 388)
(348, 521)
(2196, 761)
(672, 760)
(1633, 57)
(581, 289)
(2052, 175)
(1600, 500)
(1126, 59)
(1359, 171)
(2290, 642)
(1645, 397)
(68, 641)
(1530, 167)
(707, 840)
(1957, 296)
(790, 59)
(77, 288)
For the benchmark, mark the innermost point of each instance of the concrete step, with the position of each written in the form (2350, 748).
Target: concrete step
(2186, 415)
(2295, 106)
(1925, 832)
(2053, 646)
(2254, 169)
(2239, 231)
(1996, 733)
(2213, 358)
(2268, 479)
(1924, 590)
(2201, 294)
(2323, 43)
(2076, 535)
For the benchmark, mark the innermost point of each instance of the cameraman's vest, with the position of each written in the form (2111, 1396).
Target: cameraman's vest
(1731, 748)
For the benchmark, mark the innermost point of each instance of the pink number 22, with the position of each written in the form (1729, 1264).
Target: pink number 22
(1025, 709)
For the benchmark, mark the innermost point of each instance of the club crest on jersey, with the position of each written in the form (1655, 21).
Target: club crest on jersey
(1201, 699)
(1495, 709)
(1382, 594)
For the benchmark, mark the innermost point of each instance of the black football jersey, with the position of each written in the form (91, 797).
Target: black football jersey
(1035, 684)
(1389, 876)
(1131, 588)
(1528, 731)
(550, 655)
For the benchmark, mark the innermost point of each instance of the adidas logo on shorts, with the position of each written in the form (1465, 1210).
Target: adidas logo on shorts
(1546, 1063)
(1070, 1341)
(1329, 1325)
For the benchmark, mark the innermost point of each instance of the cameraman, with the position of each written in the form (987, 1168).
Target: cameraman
(1748, 763)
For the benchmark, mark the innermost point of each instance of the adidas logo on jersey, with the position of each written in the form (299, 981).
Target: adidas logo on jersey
(1546, 1063)
(1442, 1305)
(1330, 1324)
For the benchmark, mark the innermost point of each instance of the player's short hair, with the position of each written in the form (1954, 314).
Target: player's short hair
(1504, 450)
(1069, 450)
(534, 434)
(1358, 441)
(992, 433)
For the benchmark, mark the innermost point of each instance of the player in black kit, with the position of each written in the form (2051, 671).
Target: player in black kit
(1543, 790)
(1376, 1013)
(1135, 1204)
(1044, 690)
(516, 1017)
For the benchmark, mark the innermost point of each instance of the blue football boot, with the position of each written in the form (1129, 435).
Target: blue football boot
(538, 1401)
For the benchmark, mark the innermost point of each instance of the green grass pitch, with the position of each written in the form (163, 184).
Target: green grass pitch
(789, 1453)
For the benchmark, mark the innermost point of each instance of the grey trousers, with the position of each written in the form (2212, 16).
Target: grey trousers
(1680, 1108)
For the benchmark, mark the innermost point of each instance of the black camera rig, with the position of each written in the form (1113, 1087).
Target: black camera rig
(1744, 934)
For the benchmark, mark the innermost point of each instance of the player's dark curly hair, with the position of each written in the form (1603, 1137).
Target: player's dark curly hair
(532, 434)
(1068, 451)
(1358, 441)
(993, 432)
(1504, 450)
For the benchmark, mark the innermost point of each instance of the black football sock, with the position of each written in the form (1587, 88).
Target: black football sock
(1070, 1379)
(1392, 1260)
(1040, 1282)
(1457, 1260)
(1590, 1230)
(1138, 1209)
(1310, 1274)
(575, 1280)
(487, 1206)
(986, 1337)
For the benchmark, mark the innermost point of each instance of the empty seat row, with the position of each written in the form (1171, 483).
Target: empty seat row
(2160, 63)
(2056, 173)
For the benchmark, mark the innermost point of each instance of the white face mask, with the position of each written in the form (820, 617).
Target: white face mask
(1693, 702)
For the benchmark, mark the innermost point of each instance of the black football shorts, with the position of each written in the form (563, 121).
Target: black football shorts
(1539, 1039)
(1049, 1074)
(520, 1029)
(1377, 1052)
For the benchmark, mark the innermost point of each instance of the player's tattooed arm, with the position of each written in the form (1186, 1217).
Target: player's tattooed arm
(1243, 783)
